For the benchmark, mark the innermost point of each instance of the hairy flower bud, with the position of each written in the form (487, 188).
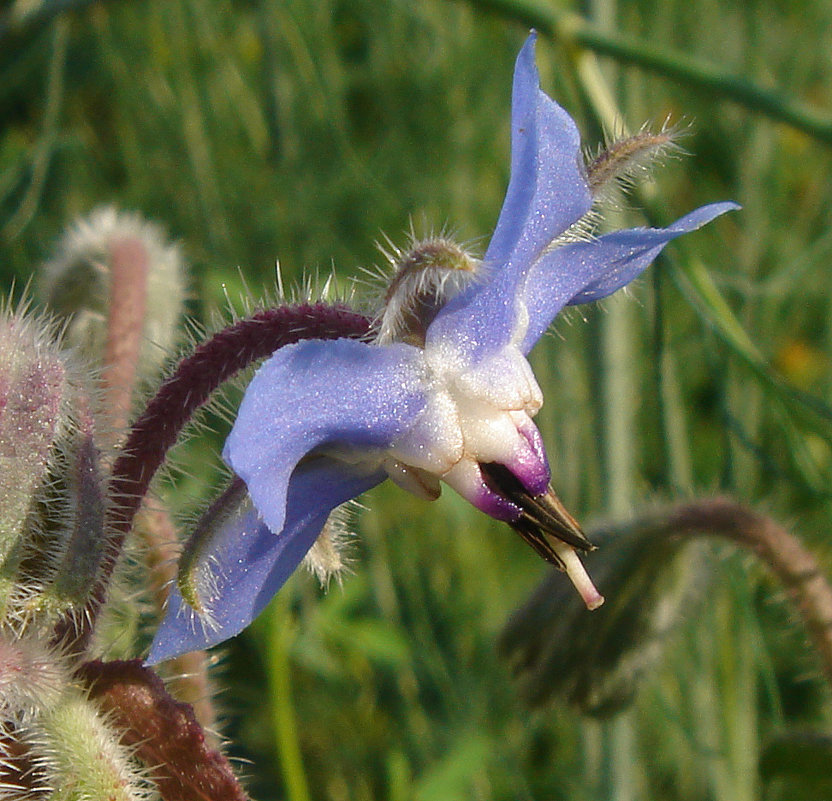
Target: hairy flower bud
(32, 677)
(78, 285)
(78, 755)
(51, 488)
(424, 277)
(164, 733)
(622, 161)
(650, 576)
(33, 400)
(55, 740)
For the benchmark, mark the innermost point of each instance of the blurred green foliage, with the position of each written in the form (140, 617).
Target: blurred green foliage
(258, 130)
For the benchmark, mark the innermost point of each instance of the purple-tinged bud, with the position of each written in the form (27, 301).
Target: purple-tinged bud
(164, 732)
(80, 539)
(34, 390)
(51, 488)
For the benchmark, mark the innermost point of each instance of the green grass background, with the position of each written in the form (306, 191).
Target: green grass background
(303, 131)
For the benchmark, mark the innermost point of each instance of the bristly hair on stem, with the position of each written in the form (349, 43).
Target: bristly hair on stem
(180, 396)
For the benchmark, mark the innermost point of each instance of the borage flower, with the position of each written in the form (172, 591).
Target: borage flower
(443, 393)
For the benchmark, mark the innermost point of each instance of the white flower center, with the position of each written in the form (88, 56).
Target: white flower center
(471, 416)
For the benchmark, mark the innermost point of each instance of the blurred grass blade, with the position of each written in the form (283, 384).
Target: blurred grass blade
(452, 778)
(790, 406)
(699, 288)
(573, 30)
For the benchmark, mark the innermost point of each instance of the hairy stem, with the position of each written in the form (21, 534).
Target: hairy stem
(180, 396)
(129, 268)
(795, 567)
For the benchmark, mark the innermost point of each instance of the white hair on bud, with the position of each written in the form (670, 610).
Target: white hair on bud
(421, 279)
(51, 491)
(32, 676)
(74, 745)
(75, 283)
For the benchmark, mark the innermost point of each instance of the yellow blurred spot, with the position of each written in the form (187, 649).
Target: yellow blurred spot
(800, 363)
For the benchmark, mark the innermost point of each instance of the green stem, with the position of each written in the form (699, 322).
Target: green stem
(283, 710)
(619, 758)
(573, 30)
(678, 470)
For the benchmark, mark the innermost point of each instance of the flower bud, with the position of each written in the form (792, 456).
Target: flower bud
(79, 756)
(621, 162)
(77, 284)
(163, 732)
(32, 677)
(425, 277)
(51, 489)
(77, 530)
(649, 575)
(33, 399)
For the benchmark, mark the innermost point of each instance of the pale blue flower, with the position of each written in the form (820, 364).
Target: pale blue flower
(323, 421)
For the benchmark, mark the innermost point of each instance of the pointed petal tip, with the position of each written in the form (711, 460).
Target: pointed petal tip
(703, 215)
(174, 639)
(184, 631)
(724, 206)
(161, 652)
(153, 659)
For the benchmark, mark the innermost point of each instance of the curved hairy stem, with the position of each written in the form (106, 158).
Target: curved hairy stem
(180, 396)
(795, 567)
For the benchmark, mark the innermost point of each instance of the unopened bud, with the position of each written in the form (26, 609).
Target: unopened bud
(621, 162)
(32, 677)
(76, 284)
(51, 489)
(425, 277)
(79, 756)
(34, 390)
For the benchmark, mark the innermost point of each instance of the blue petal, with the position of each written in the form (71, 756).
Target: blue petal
(585, 271)
(547, 193)
(250, 564)
(548, 190)
(343, 394)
